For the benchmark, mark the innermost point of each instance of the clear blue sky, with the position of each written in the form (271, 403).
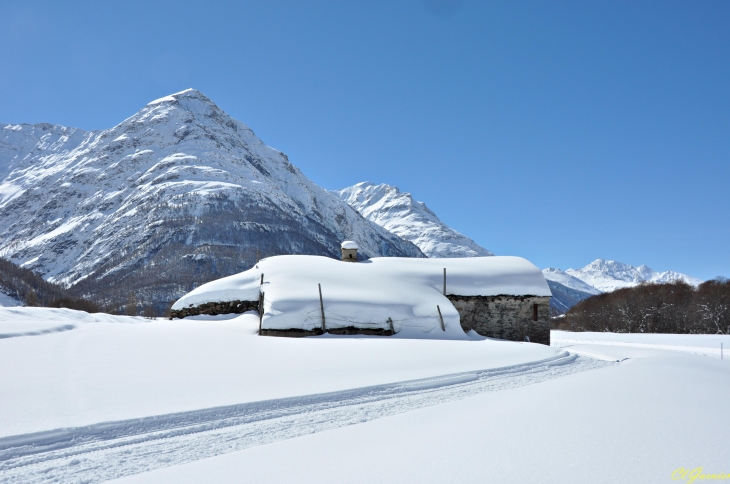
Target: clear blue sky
(558, 131)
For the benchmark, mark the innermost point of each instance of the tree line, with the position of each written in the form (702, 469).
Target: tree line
(32, 290)
(675, 307)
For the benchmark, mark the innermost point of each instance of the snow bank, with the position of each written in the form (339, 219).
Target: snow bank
(698, 344)
(368, 294)
(32, 321)
(6, 301)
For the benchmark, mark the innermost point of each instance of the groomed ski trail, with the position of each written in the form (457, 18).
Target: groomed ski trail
(109, 450)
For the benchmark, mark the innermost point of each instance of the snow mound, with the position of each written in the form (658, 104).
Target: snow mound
(33, 321)
(404, 292)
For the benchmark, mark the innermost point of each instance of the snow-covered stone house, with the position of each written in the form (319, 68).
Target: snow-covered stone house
(349, 251)
(298, 295)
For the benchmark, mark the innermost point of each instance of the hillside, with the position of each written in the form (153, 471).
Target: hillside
(23, 287)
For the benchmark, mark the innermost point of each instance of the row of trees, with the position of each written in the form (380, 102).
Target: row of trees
(655, 308)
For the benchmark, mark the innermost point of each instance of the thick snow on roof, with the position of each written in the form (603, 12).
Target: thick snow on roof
(366, 294)
(349, 244)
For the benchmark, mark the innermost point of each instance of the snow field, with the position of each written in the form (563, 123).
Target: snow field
(205, 399)
(102, 372)
(91, 453)
(700, 344)
(636, 421)
(32, 321)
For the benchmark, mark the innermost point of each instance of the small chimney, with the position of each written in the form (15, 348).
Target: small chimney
(349, 251)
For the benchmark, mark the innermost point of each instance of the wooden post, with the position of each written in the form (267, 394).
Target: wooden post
(443, 328)
(262, 278)
(444, 281)
(321, 307)
(390, 323)
(261, 309)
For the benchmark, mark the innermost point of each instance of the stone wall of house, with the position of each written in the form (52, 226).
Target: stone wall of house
(505, 317)
(213, 308)
(351, 330)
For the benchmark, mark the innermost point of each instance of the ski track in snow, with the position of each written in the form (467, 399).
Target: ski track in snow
(38, 332)
(111, 450)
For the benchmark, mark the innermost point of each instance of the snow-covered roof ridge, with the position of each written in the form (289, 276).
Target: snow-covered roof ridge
(412, 220)
(369, 292)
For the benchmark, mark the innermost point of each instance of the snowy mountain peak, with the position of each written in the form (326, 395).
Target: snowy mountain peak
(189, 93)
(609, 275)
(177, 190)
(398, 213)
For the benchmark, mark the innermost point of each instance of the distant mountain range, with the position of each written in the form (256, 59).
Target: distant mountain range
(608, 275)
(571, 286)
(398, 213)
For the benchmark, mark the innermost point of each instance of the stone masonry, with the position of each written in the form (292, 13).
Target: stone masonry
(213, 308)
(505, 317)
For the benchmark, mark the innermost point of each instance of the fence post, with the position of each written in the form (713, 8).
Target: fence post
(261, 309)
(321, 307)
(444, 281)
(390, 323)
(441, 318)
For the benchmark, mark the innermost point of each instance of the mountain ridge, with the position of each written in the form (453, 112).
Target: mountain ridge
(609, 275)
(398, 213)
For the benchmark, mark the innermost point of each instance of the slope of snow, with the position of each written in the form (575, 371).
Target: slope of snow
(713, 345)
(110, 370)
(608, 275)
(637, 421)
(179, 173)
(32, 321)
(568, 281)
(22, 142)
(400, 214)
(367, 294)
(6, 300)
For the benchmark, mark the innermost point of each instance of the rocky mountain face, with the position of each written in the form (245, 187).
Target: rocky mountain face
(22, 141)
(567, 290)
(176, 195)
(608, 275)
(411, 220)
